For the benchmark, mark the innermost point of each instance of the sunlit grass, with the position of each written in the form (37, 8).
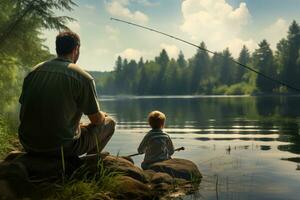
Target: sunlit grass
(82, 186)
(5, 139)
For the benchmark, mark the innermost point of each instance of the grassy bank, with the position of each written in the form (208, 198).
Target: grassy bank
(6, 138)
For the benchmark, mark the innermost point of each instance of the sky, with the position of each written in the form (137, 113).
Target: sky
(220, 24)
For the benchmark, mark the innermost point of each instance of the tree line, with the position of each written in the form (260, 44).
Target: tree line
(205, 74)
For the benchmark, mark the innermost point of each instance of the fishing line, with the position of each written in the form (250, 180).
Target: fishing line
(209, 51)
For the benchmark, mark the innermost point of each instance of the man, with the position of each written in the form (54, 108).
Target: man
(55, 95)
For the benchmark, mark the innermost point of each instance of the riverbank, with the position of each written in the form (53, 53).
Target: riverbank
(95, 177)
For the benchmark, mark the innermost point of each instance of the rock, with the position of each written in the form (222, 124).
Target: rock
(128, 158)
(174, 176)
(14, 180)
(160, 177)
(149, 174)
(133, 189)
(162, 188)
(178, 168)
(13, 155)
(118, 164)
(6, 191)
(40, 167)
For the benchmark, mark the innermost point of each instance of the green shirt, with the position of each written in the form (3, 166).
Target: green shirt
(54, 96)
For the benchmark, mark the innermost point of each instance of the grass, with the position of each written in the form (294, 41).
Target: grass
(81, 186)
(5, 138)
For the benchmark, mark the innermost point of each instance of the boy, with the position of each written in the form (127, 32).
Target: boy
(157, 145)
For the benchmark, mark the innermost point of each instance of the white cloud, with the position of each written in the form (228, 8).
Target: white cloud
(146, 3)
(172, 50)
(237, 44)
(120, 9)
(111, 30)
(101, 51)
(74, 26)
(113, 33)
(276, 31)
(90, 7)
(130, 53)
(216, 23)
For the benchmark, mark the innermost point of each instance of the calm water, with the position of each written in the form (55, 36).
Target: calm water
(248, 146)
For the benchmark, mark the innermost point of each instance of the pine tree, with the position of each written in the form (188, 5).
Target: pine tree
(244, 58)
(181, 60)
(290, 55)
(264, 61)
(199, 67)
(162, 60)
(227, 69)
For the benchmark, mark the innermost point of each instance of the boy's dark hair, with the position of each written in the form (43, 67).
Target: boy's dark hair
(156, 119)
(66, 42)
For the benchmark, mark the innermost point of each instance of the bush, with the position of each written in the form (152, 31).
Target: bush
(5, 138)
(220, 90)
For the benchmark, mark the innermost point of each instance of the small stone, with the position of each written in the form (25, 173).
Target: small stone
(162, 187)
(160, 177)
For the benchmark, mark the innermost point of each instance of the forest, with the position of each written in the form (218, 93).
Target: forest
(206, 74)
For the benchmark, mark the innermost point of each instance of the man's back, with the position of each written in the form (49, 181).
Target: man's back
(54, 97)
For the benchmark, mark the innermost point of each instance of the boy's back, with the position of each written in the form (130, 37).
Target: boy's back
(157, 146)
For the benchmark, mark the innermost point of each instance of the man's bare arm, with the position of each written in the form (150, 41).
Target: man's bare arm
(97, 118)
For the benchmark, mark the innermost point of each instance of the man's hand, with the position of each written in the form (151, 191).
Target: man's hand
(104, 113)
(97, 118)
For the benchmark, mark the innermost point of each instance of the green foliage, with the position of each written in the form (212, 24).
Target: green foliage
(8, 79)
(288, 56)
(81, 186)
(5, 137)
(240, 89)
(264, 61)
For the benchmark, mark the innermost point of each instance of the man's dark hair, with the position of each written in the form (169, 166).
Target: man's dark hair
(66, 42)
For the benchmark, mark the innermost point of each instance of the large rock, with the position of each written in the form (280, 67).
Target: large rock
(124, 166)
(116, 164)
(14, 181)
(40, 167)
(178, 168)
(6, 191)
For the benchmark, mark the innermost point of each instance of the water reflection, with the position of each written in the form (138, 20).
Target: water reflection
(251, 145)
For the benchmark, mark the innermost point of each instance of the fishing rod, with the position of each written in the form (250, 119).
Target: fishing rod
(136, 154)
(207, 50)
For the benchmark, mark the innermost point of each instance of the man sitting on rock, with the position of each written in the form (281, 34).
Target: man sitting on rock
(157, 145)
(55, 95)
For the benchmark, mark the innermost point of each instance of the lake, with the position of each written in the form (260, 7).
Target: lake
(245, 147)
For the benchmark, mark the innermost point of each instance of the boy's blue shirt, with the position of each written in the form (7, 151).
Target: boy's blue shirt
(157, 146)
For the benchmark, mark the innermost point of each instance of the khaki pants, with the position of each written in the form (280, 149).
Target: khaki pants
(87, 142)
